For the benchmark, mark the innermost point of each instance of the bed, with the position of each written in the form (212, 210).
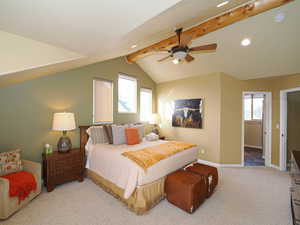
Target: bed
(140, 190)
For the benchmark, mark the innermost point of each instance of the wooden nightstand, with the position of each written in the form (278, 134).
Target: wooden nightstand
(59, 168)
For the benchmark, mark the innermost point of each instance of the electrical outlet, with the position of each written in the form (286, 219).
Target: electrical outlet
(202, 151)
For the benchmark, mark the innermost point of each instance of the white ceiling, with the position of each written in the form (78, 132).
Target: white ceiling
(184, 14)
(84, 32)
(52, 36)
(275, 49)
(86, 27)
(18, 53)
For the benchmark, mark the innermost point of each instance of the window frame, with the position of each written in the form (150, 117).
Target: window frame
(94, 100)
(251, 114)
(146, 90)
(132, 78)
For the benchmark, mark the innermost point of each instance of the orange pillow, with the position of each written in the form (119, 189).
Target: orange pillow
(132, 136)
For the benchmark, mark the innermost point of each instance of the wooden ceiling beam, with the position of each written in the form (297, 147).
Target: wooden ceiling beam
(228, 18)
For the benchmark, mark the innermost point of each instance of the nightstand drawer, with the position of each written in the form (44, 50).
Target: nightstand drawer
(63, 167)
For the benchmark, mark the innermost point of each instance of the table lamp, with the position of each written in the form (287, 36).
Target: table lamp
(64, 122)
(155, 120)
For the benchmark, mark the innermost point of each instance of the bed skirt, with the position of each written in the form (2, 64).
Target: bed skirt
(142, 200)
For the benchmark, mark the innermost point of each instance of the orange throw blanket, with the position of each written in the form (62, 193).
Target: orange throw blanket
(150, 155)
(21, 184)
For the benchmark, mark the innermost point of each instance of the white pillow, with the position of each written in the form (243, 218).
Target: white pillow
(152, 137)
(97, 134)
(119, 136)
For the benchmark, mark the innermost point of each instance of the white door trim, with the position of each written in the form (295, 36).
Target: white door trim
(268, 128)
(283, 126)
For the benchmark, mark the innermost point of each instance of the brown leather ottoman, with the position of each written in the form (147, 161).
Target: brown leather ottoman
(210, 173)
(186, 190)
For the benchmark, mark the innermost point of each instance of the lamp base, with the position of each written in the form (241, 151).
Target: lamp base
(64, 144)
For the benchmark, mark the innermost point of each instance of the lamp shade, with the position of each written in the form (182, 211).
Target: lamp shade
(154, 119)
(63, 121)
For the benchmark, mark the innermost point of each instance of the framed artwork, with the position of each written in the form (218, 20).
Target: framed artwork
(188, 113)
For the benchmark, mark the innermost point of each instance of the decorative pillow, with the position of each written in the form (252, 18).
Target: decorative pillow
(97, 134)
(152, 137)
(141, 129)
(132, 136)
(109, 134)
(10, 162)
(118, 132)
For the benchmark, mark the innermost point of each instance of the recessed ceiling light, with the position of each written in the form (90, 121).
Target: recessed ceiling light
(246, 42)
(175, 61)
(222, 4)
(279, 17)
(133, 46)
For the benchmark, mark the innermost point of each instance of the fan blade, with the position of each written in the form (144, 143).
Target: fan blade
(204, 48)
(163, 59)
(185, 39)
(189, 58)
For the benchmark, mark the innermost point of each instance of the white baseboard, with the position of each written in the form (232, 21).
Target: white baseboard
(274, 166)
(228, 165)
(218, 164)
(208, 163)
(253, 146)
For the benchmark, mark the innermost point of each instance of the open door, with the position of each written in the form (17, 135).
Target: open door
(256, 129)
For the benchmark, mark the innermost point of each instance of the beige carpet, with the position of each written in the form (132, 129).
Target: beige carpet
(245, 196)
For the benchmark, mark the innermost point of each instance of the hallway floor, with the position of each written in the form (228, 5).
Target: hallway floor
(253, 157)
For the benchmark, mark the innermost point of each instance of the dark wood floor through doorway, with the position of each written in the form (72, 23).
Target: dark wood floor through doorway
(253, 157)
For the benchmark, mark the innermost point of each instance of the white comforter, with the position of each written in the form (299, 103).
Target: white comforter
(107, 161)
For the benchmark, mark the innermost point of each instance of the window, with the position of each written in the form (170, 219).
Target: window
(102, 101)
(145, 104)
(253, 107)
(127, 94)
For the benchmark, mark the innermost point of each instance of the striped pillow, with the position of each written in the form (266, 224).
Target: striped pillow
(97, 134)
(109, 134)
(10, 162)
(119, 136)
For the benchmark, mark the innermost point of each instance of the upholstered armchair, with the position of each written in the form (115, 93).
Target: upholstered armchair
(9, 205)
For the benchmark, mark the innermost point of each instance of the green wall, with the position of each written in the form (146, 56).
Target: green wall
(26, 109)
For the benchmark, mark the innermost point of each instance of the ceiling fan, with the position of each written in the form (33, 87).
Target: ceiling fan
(182, 51)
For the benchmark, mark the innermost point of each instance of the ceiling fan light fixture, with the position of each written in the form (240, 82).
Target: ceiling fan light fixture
(175, 61)
(222, 4)
(180, 55)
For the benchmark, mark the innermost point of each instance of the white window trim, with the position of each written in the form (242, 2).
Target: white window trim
(132, 78)
(149, 90)
(94, 101)
(252, 97)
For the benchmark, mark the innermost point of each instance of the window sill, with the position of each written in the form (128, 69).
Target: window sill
(127, 112)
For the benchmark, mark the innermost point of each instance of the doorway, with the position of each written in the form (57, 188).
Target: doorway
(289, 125)
(256, 135)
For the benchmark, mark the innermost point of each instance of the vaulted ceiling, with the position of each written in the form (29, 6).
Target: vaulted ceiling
(274, 49)
(43, 37)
